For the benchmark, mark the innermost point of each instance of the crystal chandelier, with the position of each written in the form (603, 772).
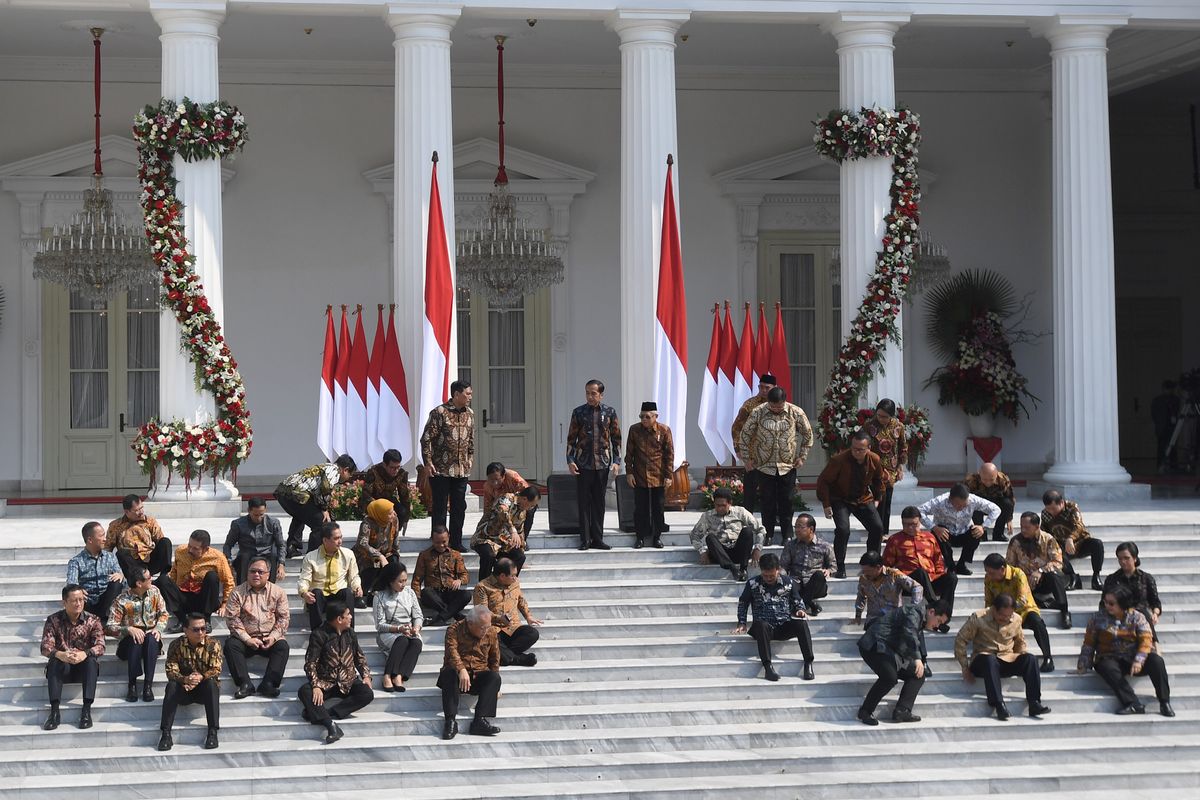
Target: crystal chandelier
(930, 265)
(503, 258)
(97, 254)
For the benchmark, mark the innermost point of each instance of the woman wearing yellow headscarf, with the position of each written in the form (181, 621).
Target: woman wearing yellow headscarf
(377, 545)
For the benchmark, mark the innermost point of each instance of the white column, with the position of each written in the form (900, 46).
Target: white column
(866, 77)
(648, 135)
(1085, 369)
(422, 125)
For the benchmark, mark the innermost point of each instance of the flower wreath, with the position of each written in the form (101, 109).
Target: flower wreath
(841, 136)
(193, 131)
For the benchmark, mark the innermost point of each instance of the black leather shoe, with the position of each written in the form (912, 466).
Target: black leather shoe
(904, 715)
(814, 608)
(841, 575)
(1002, 712)
(769, 673)
(132, 695)
(594, 546)
(1047, 664)
(1097, 585)
(1076, 582)
(807, 673)
(999, 537)
(147, 692)
(943, 628)
(1065, 622)
(866, 719)
(525, 660)
(450, 729)
(85, 718)
(165, 742)
(292, 551)
(658, 543)
(304, 715)
(1037, 710)
(243, 691)
(637, 545)
(481, 727)
(582, 546)
(739, 574)
(1165, 709)
(1132, 708)
(210, 741)
(267, 690)
(52, 721)
(962, 569)
(334, 733)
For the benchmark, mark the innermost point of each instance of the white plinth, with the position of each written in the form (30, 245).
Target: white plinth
(1091, 491)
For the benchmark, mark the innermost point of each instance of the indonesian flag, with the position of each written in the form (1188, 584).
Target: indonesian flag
(394, 428)
(356, 397)
(339, 388)
(329, 357)
(374, 370)
(670, 332)
(726, 410)
(710, 423)
(762, 348)
(743, 377)
(439, 307)
(781, 368)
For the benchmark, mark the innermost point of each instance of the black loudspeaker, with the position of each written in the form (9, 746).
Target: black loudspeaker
(625, 507)
(564, 511)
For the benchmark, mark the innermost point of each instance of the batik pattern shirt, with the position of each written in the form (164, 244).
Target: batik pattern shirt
(1128, 638)
(188, 571)
(504, 602)
(1066, 525)
(908, 553)
(510, 483)
(939, 512)
(594, 437)
(891, 445)
(502, 525)
(984, 635)
(184, 658)
(375, 540)
(801, 559)
(877, 597)
(335, 659)
(436, 570)
(1002, 489)
(775, 442)
(465, 650)
(772, 603)
(448, 441)
(1035, 556)
(378, 485)
(148, 612)
(313, 484)
(135, 538)
(739, 421)
(726, 528)
(257, 613)
(650, 455)
(92, 571)
(59, 634)
(1015, 584)
(1141, 585)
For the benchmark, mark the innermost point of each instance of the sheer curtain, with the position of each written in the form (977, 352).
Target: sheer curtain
(506, 363)
(798, 297)
(141, 361)
(89, 363)
(464, 333)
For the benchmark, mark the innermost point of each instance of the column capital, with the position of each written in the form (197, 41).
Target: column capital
(1078, 31)
(864, 29)
(201, 17)
(422, 20)
(647, 27)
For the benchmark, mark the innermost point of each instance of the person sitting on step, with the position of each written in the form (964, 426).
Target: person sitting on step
(138, 619)
(256, 535)
(993, 485)
(439, 579)
(779, 614)
(335, 666)
(326, 574)
(137, 538)
(894, 648)
(200, 580)
(853, 482)
(1000, 578)
(1118, 643)
(997, 650)
(97, 570)
(918, 555)
(1063, 520)
(398, 622)
(809, 560)
(500, 533)
(881, 589)
(501, 593)
(387, 480)
(471, 665)
(728, 535)
(73, 641)
(502, 480)
(959, 519)
(378, 544)
(194, 663)
(257, 616)
(1141, 584)
(1038, 555)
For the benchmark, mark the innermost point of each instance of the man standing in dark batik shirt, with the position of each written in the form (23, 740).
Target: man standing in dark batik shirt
(593, 453)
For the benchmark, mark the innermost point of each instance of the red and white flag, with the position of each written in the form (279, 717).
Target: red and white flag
(329, 357)
(374, 370)
(394, 428)
(743, 377)
(439, 308)
(670, 330)
(339, 388)
(356, 396)
(726, 410)
(762, 348)
(781, 368)
(710, 423)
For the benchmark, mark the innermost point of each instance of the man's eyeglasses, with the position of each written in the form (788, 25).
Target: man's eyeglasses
(643, 416)
(258, 572)
(197, 630)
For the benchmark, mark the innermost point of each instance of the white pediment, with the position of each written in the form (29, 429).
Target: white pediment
(797, 172)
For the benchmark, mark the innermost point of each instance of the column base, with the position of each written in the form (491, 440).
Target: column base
(908, 493)
(203, 498)
(1073, 487)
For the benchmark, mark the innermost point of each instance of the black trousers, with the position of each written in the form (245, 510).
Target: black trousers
(402, 657)
(867, 514)
(181, 603)
(369, 575)
(1053, 585)
(1000, 529)
(237, 651)
(452, 491)
(590, 488)
(764, 634)
(1090, 547)
(303, 515)
(515, 643)
(85, 672)
(730, 557)
(142, 656)
(967, 543)
(884, 666)
(487, 561)
(104, 602)
(484, 685)
(814, 588)
(942, 588)
(442, 605)
(750, 490)
(316, 610)
(1115, 672)
(354, 700)
(992, 669)
(776, 492)
(885, 509)
(208, 693)
(648, 518)
(1033, 622)
(158, 563)
(241, 565)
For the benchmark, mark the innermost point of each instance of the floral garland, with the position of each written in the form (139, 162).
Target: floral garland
(841, 136)
(983, 379)
(193, 131)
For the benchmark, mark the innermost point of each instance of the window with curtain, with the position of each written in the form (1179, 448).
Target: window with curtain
(798, 299)
(89, 363)
(463, 306)
(506, 363)
(141, 361)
